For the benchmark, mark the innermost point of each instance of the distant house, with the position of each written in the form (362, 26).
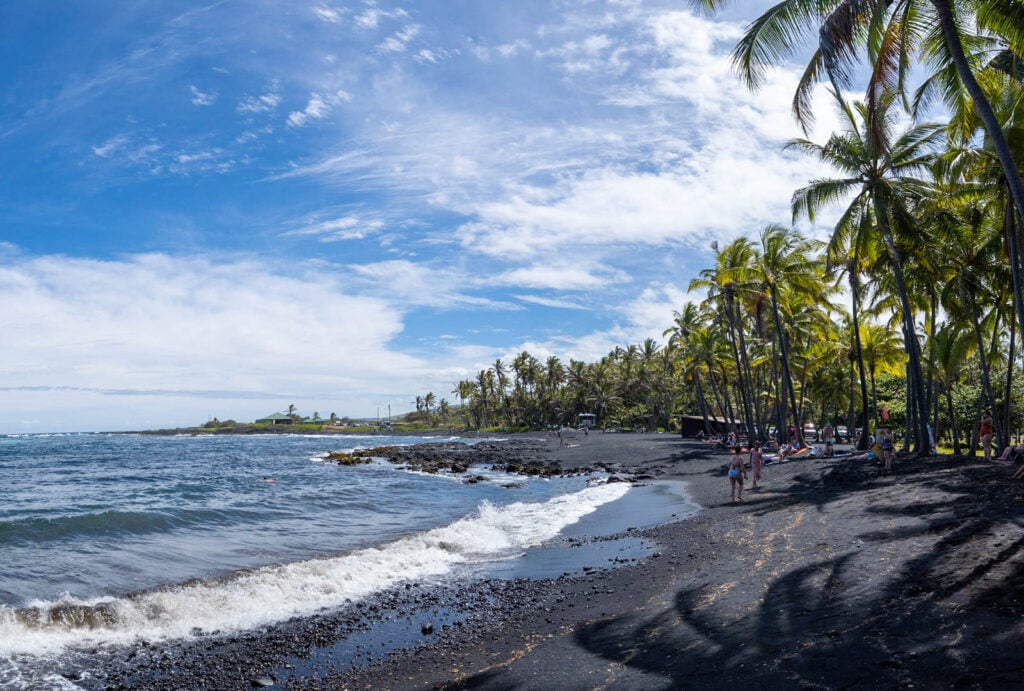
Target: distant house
(275, 419)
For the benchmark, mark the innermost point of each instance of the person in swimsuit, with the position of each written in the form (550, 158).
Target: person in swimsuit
(756, 461)
(887, 450)
(736, 474)
(986, 429)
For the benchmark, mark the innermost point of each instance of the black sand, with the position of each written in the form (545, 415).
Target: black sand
(829, 576)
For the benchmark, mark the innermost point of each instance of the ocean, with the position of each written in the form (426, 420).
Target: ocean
(110, 540)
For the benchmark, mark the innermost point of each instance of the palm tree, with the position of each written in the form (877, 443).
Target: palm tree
(948, 354)
(891, 31)
(882, 352)
(428, 405)
(465, 390)
(786, 264)
(682, 343)
(727, 283)
(881, 169)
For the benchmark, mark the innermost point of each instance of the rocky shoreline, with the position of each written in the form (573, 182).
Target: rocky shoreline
(532, 457)
(830, 575)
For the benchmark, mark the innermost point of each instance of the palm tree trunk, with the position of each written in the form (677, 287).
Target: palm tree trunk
(952, 420)
(1004, 433)
(862, 441)
(736, 339)
(932, 391)
(921, 445)
(874, 400)
(986, 379)
(787, 379)
(714, 391)
(851, 421)
(702, 402)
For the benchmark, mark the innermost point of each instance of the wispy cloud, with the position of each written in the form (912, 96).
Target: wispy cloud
(318, 108)
(400, 40)
(260, 104)
(421, 284)
(371, 18)
(345, 228)
(200, 98)
(553, 302)
(329, 14)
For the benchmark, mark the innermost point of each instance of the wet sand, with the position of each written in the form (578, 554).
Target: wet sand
(828, 576)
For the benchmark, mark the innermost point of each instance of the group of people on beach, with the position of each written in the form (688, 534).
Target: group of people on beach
(883, 449)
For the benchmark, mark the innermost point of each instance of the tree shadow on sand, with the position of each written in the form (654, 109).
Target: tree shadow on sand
(920, 586)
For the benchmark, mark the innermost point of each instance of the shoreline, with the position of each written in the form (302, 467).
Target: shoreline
(828, 576)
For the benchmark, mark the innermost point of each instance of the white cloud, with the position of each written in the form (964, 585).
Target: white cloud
(259, 104)
(109, 147)
(565, 271)
(344, 228)
(372, 17)
(434, 56)
(510, 50)
(200, 98)
(662, 165)
(157, 327)
(423, 285)
(398, 42)
(329, 14)
(553, 302)
(316, 109)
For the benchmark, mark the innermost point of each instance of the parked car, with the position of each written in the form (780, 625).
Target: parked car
(810, 432)
(842, 433)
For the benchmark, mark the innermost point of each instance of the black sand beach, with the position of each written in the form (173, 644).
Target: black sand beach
(829, 576)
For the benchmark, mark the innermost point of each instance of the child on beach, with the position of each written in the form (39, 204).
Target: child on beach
(756, 461)
(736, 474)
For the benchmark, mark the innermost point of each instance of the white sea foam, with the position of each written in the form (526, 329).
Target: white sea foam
(275, 593)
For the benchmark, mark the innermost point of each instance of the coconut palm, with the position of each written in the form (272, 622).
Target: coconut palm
(786, 264)
(682, 344)
(889, 33)
(881, 168)
(882, 354)
(727, 283)
(947, 355)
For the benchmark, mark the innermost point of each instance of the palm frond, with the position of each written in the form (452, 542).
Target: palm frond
(774, 35)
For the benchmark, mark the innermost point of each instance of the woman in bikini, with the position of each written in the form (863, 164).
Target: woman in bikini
(736, 474)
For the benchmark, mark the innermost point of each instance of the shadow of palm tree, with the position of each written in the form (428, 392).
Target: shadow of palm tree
(921, 587)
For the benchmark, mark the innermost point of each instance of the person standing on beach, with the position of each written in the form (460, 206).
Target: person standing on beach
(736, 474)
(828, 435)
(756, 462)
(887, 449)
(986, 430)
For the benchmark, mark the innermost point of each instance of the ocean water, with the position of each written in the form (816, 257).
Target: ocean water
(110, 540)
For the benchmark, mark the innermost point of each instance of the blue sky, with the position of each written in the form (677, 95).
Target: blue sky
(220, 209)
